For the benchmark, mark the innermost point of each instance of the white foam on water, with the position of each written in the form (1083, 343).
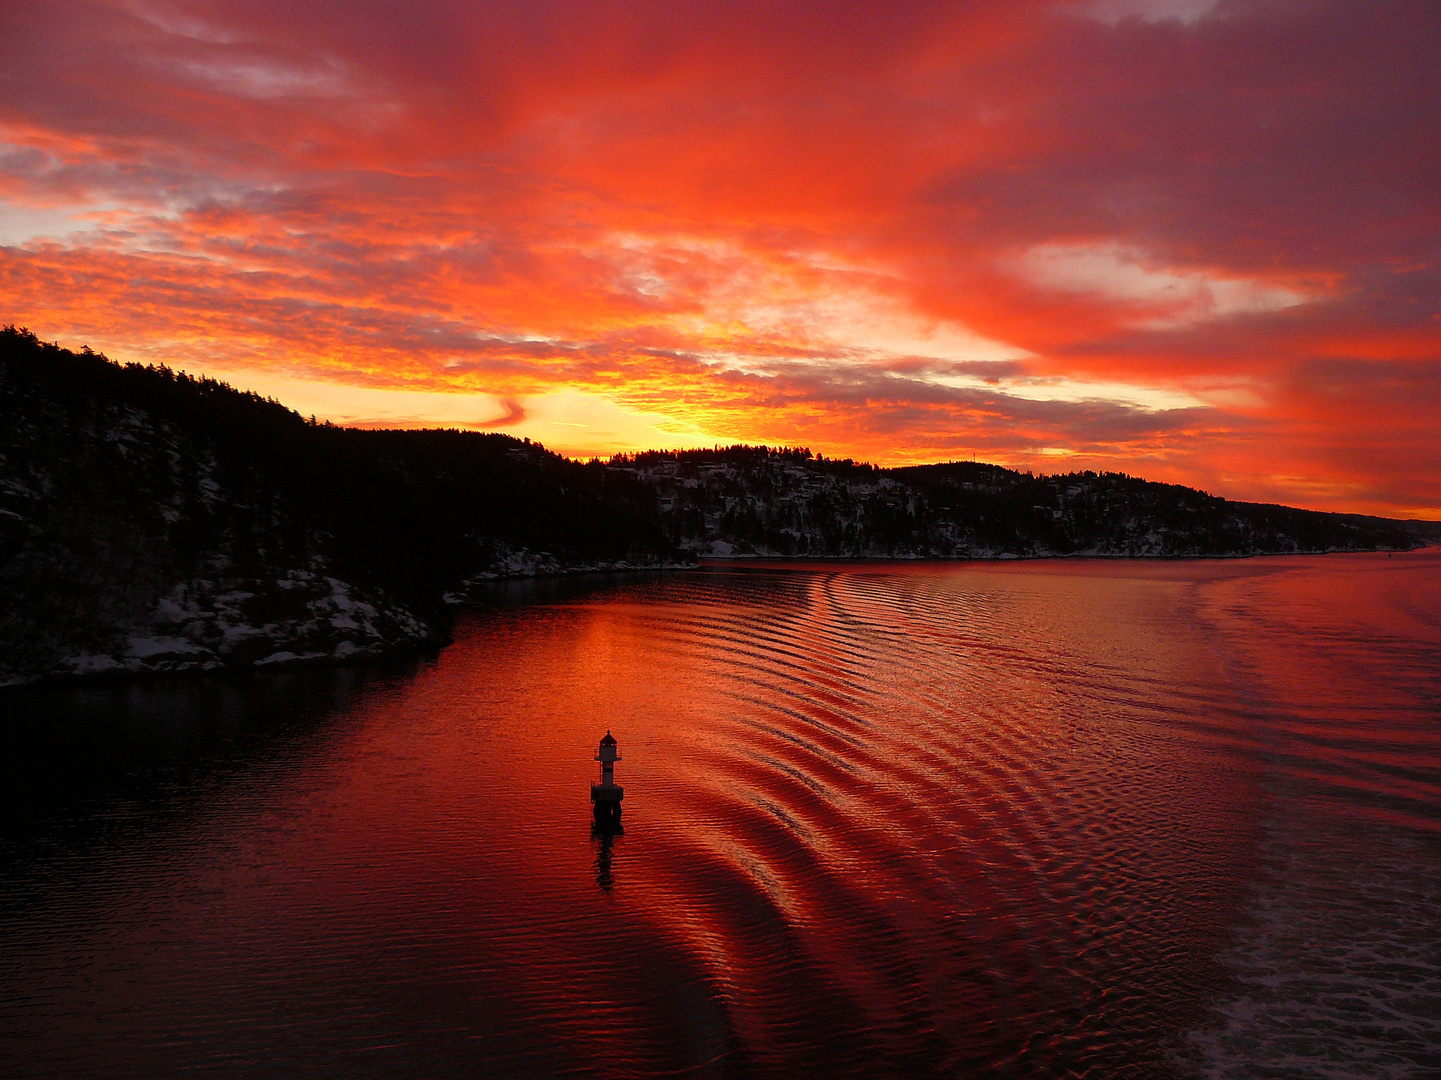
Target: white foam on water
(1338, 966)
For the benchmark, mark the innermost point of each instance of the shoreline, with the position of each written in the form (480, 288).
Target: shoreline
(1076, 556)
(410, 649)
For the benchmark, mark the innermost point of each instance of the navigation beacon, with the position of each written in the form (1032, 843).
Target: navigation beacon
(607, 794)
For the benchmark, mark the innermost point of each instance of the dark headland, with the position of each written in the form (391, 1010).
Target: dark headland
(153, 522)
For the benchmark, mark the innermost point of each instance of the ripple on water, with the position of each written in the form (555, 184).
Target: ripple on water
(1028, 820)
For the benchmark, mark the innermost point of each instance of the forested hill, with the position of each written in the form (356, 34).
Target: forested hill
(150, 521)
(746, 500)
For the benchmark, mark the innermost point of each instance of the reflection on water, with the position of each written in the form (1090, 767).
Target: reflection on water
(85, 757)
(604, 837)
(1046, 819)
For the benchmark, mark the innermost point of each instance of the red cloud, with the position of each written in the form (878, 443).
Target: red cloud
(1052, 235)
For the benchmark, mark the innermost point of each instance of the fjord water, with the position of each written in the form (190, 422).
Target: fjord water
(1072, 818)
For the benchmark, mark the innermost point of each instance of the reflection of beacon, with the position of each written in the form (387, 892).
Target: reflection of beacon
(607, 794)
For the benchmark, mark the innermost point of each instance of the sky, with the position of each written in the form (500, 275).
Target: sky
(1192, 240)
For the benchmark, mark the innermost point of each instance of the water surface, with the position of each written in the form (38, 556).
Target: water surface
(1072, 818)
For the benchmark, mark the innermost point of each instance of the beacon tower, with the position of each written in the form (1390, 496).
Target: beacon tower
(607, 794)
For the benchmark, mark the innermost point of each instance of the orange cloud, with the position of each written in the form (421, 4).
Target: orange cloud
(1198, 242)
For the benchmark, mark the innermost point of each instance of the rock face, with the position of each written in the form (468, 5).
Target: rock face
(753, 501)
(206, 625)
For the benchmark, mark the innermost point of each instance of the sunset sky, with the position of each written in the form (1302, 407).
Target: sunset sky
(1193, 240)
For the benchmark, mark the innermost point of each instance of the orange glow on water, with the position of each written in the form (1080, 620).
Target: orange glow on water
(983, 818)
